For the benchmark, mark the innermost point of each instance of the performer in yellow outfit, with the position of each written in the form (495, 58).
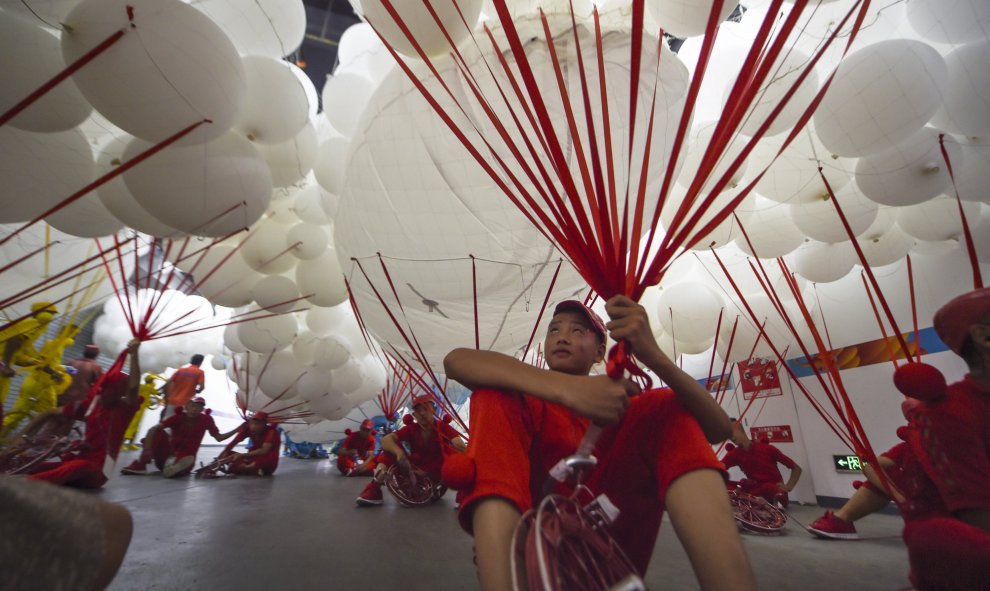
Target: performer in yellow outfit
(17, 342)
(45, 381)
(150, 394)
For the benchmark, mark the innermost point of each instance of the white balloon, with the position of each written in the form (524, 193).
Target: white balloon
(307, 241)
(268, 334)
(695, 348)
(61, 108)
(886, 249)
(334, 406)
(321, 321)
(362, 52)
(344, 99)
(291, 160)
(321, 280)
(937, 219)
(331, 352)
(822, 262)
(911, 172)
(699, 146)
(304, 347)
(280, 378)
(276, 107)
(973, 177)
(790, 65)
(218, 363)
(331, 165)
(86, 217)
(820, 220)
(231, 341)
(222, 276)
(173, 185)
(314, 384)
(272, 28)
(686, 18)
(309, 205)
(422, 25)
(348, 377)
(280, 210)
(689, 311)
(957, 21)
(117, 198)
(265, 251)
(880, 95)
(966, 98)
(39, 170)
(770, 230)
(725, 232)
(173, 69)
(794, 177)
(276, 293)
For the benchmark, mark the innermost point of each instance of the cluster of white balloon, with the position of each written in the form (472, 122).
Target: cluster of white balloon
(913, 77)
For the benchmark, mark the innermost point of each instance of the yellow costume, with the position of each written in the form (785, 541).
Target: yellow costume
(46, 380)
(149, 393)
(21, 336)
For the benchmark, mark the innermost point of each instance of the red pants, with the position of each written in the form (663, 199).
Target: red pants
(243, 467)
(947, 554)
(515, 439)
(79, 473)
(348, 463)
(767, 490)
(160, 449)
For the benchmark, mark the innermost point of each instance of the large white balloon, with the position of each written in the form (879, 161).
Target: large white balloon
(822, 262)
(272, 28)
(787, 70)
(331, 164)
(61, 108)
(276, 293)
(268, 334)
(973, 180)
(265, 251)
(938, 219)
(39, 170)
(213, 189)
(699, 146)
(87, 217)
(315, 383)
(910, 172)
(331, 352)
(431, 39)
(307, 241)
(957, 21)
(966, 99)
(344, 98)
(689, 311)
(321, 280)
(794, 177)
(172, 68)
(886, 249)
(276, 107)
(349, 376)
(686, 18)
(771, 231)
(281, 376)
(820, 220)
(880, 96)
(293, 159)
(117, 198)
(222, 276)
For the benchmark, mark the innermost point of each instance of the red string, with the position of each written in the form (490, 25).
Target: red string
(974, 261)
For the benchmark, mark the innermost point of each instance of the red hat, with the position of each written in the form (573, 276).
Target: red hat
(260, 416)
(421, 399)
(368, 424)
(198, 400)
(952, 321)
(594, 319)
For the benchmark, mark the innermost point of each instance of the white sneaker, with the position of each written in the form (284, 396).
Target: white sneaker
(176, 467)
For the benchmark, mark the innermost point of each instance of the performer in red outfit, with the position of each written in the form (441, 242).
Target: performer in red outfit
(356, 454)
(758, 461)
(424, 439)
(107, 412)
(175, 455)
(953, 445)
(653, 456)
(261, 459)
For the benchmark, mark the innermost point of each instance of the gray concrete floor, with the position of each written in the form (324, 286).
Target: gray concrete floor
(300, 530)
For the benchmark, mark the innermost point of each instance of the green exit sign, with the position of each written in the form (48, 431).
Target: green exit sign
(847, 464)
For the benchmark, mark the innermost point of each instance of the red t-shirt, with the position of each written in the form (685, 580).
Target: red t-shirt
(426, 453)
(922, 498)
(954, 444)
(269, 435)
(759, 463)
(188, 434)
(359, 444)
(182, 384)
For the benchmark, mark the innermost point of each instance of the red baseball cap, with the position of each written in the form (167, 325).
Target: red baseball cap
(421, 399)
(368, 424)
(198, 400)
(952, 321)
(596, 322)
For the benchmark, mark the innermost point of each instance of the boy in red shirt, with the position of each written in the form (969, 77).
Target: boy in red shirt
(107, 414)
(356, 453)
(654, 457)
(424, 438)
(175, 455)
(182, 385)
(261, 459)
(758, 461)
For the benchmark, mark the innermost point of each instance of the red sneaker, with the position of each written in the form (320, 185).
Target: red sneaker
(136, 467)
(371, 495)
(830, 526)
